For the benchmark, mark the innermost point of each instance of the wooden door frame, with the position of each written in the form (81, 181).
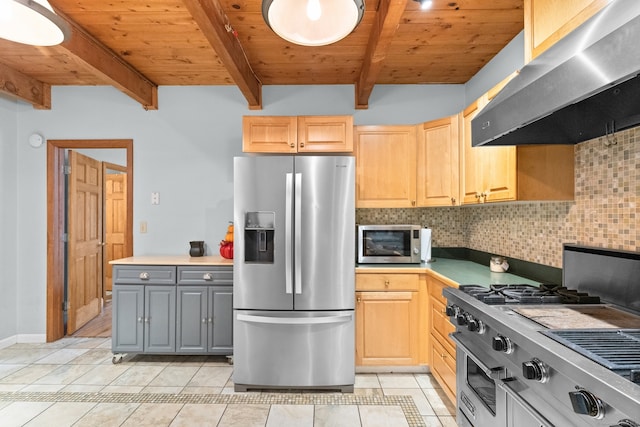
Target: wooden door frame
(56, 218)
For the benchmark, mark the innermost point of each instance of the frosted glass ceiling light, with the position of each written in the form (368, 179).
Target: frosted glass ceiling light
(312, 22)
(32, 22)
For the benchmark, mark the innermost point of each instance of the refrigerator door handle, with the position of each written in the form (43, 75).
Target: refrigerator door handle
(298, 233)
(295, 320)
(287, 234)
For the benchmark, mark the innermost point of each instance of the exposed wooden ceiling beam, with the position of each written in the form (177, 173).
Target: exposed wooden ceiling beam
(24, 87)
(384, 27)
(212, 21)
(85, 48)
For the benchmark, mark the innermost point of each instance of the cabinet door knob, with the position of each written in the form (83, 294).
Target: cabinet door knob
(453, 200)
(139, 319)
(292, 145)
(359, 299)
(386, 283)
(301, 143)
(144, 275)
(204, 320)
(147, 319)
(210, 320)
(207, 276)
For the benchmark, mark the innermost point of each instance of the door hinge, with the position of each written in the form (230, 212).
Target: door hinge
(65, 305)
(66, 169)
(65, 237)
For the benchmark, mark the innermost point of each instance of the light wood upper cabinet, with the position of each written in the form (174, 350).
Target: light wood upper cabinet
(488, 173)
(269, 134)
(302, 134)
(438, 163)
(547, 21)
(328, 134)
(385, 166)
(507, 173)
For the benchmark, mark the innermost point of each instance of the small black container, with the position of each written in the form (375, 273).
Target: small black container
(197, 248)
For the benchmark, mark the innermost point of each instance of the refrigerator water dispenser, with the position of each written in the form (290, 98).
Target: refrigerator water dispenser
(258, 237)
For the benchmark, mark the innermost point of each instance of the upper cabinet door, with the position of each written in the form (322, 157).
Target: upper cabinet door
(385, 166)
(269, 134)
(328, 134)
(297, 134)
(547, 21)
(438, 165)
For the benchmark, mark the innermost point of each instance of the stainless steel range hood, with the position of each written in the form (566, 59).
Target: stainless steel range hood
(585, 86)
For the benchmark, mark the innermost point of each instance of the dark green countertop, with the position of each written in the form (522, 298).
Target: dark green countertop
(460, 271)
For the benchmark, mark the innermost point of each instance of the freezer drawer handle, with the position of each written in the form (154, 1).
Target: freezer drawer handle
(295, 320)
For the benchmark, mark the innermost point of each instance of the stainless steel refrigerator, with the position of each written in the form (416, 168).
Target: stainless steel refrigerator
(294, 272)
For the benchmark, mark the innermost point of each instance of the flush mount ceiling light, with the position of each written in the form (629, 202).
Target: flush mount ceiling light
(312, 22)
(32, 22)
(425, 4)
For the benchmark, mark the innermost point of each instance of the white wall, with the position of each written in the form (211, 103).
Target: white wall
(183, 151)
(8, 218)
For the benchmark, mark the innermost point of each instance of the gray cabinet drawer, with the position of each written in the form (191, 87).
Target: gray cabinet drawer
(205, 275)
(140, 274)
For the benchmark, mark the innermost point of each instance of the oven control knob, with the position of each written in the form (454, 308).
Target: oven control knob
(586, 403)
(535, 370)
(451, 310)
(626, 423)
(461, 318)
(475, 325)
(503, 344)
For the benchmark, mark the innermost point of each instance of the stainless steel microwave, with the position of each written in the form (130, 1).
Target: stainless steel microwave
(388, 244)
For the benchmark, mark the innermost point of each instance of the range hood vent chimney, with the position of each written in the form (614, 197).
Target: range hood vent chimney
(585, 86)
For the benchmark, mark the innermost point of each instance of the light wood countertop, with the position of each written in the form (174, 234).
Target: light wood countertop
(181, 260)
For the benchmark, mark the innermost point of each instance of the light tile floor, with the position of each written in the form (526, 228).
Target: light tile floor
(72, 382)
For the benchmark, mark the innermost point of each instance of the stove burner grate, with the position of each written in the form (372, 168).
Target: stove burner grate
(617, 350)
(528, 294)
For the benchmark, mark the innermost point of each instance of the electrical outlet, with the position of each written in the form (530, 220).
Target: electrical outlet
(155, 198)
(143, 226)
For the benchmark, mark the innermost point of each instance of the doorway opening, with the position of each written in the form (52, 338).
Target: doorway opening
(57, 211)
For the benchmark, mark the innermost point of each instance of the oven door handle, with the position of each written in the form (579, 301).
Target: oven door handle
(493, 373)
(504, 385)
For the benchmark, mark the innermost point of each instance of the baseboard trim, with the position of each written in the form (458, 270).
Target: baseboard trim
(23, 338)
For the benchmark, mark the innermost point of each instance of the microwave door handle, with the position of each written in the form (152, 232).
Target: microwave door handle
(298, 233)
(288, 274)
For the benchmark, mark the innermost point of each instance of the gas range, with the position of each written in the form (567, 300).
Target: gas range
(549, 355)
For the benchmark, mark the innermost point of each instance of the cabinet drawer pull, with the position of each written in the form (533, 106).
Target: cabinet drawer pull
(207, 276)
(144, 275)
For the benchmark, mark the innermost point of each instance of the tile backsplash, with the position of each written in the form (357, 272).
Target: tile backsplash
(604, 213)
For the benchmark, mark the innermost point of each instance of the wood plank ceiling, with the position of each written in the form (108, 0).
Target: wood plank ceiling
(138, 45)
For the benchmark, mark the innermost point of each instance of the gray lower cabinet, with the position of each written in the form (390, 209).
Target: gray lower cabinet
(205, 320)
(172, 309)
